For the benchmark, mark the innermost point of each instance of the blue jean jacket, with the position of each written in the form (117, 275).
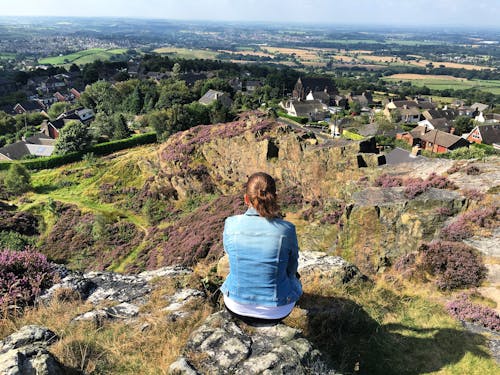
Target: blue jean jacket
(263, 260)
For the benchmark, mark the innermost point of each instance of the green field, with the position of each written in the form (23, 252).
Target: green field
(6, 55)
(187, 53)
(492, 86)
(83, 57)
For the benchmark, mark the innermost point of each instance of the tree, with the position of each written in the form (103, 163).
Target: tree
(57, 108)
(120, 127)
(176, 70)
(463, 124)
(17, 180)
(355, 107)
(74, 136)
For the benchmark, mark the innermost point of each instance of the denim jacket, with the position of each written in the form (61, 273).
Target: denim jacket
(263, 260)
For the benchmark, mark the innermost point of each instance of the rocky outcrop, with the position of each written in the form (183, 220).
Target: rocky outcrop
(382, 224)
(222, 155)
(126, 292)
(222, 346)
(25, 353)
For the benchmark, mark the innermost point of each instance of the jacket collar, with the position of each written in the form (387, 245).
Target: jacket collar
(252, 212)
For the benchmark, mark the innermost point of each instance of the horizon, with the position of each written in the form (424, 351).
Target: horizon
(316, 25)
(443, 14)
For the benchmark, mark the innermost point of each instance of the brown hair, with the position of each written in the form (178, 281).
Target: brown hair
(261, 192)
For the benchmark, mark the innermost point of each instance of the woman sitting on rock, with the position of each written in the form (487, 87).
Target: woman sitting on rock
(262, 285)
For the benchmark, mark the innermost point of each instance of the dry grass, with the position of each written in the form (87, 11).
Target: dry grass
(146, 346)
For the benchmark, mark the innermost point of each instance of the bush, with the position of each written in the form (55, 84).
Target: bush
(23, 275)
(454, 264)
(14, 240)
(17, 180)
(463, 309)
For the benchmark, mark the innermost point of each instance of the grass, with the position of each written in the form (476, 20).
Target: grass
(387, 328)
(115, 347)
(187, 53)
(492, 86)
(83, 57)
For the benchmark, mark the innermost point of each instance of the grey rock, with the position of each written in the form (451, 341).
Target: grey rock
(25, 353)
(222, 346)
(165, 272)
(27, 335)
(123, 311)
(97, 316)
(181, 366)
(316, 261)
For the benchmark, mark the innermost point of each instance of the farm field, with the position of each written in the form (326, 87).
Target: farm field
(83, 57)
(6, 55)
(447, 82)
(187, 53)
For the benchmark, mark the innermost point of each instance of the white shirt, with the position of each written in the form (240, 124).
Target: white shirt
(258, 311)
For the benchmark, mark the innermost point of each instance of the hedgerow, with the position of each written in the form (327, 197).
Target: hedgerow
(100, 149)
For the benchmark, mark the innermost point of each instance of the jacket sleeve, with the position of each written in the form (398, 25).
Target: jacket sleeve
(293, 260)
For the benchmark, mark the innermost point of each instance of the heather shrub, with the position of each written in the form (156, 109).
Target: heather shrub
(386, 180)
(473, 194)
(194, 237)
(444, 211)
(414, 187)
(462, 308)
(454, 264)
(485, 217)
(472, 170)
(439, 182)
(457, 230)
(20, 222)
(23, 275)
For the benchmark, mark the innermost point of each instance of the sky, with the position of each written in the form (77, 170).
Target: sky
(477, 13)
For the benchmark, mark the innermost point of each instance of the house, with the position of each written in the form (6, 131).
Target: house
(53, 128)
(365, 99)
(236, 84)
(410, 115)
(487, 134)
(212, 96)
(37, 145)
(84, 115)
(157, 76)
(29, 107)
(432, 140)
(442, 124)
(314, 110)
(59, 97)
(304, 86)
(251, 86)
(76, 94)
(489, 118)
(425, 103)
(447, 113)
(480, 107)
(322, 96)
